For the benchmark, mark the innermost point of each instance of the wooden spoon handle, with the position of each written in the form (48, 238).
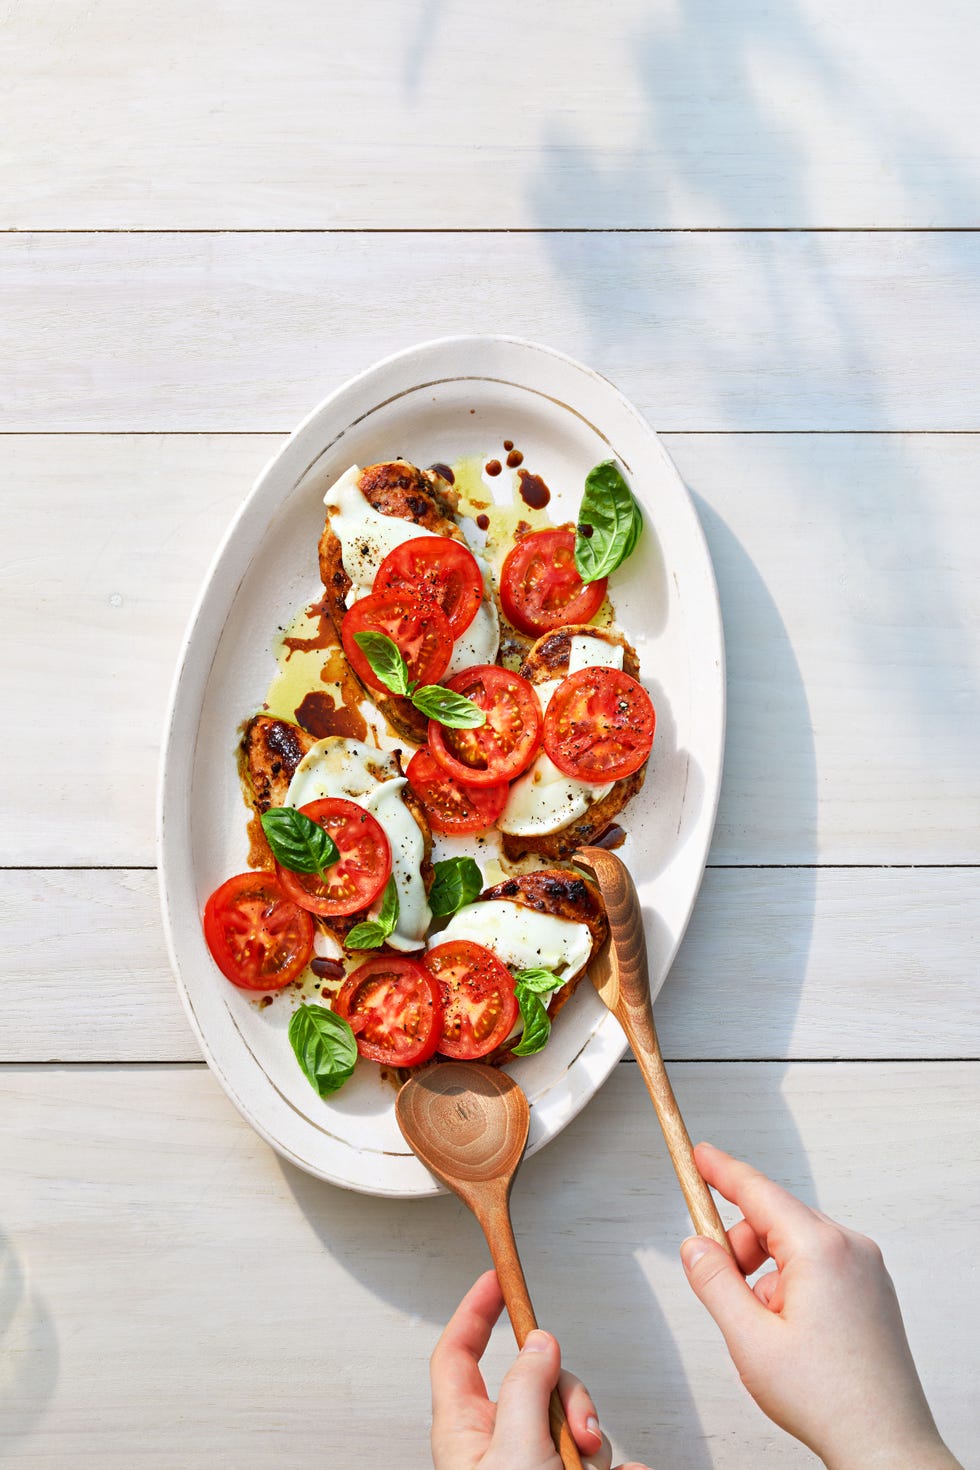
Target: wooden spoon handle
(642, 1036)
(495, 1219)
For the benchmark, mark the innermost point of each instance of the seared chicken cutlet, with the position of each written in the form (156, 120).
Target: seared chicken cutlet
(547, 812)
(553, 919)
(284, 766)
(368, 513)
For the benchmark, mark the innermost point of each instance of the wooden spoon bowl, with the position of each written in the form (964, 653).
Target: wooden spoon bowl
(468, 1124)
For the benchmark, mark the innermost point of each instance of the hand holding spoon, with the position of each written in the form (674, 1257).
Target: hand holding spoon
(619, 974)
(468, 1124)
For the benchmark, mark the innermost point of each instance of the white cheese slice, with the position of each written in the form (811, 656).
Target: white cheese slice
(407, 851)
(521, 937)
(477, 644)
(587, 652)
(545, 692)
(545, 800)
(339, 767)
(351, 770)
(366, 536)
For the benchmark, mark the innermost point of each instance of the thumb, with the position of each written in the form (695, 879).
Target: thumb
(720, 1286)
(521, 1428)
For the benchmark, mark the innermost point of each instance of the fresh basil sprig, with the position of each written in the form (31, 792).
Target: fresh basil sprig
(386, 659)
(448, 708)
(529, 987)
(437, 703)
(458, 881)
(297, 842)
(325, 1047)
(614, 517)
(372, 933)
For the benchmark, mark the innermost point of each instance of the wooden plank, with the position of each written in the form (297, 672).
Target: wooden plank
(776, 964)
(170, 1285)
(848, 568)
(704, 331)
(734, 114)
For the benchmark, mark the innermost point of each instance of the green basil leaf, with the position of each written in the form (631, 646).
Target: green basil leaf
(390, 906)
(458, 881)
(386, 660)
(372, 933)
(448, 708)
(325, 1047)
(540, 982)
(609, 508)
(537, 1027)
(367, 935)
(298, 843)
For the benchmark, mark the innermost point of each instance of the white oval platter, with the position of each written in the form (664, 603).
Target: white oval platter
(437, 402)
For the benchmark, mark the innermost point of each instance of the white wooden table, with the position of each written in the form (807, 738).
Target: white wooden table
(758, 220)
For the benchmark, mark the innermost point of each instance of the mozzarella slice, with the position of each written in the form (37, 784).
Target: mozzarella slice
(407, 851)
(366, 536)
(351, 770)
(521, 937)
(544, 799)
(339, 767)
(477, 644)
(587, 652)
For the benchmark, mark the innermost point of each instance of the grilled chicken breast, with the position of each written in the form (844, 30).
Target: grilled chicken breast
(270, 751)
(546, 660)
(566, 894)
(424, 498)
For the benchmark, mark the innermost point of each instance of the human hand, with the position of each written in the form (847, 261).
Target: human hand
(469, 1432)
(819, 1343)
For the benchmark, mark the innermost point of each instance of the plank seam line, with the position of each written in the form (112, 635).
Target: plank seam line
(709, 867)
(197, 1061)
(664, 433)
(496, 230)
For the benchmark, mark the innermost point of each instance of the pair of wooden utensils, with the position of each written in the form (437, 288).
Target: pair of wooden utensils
(468, 1123)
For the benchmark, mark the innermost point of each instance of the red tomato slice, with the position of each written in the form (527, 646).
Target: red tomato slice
(394, 1011)
(439, 569)
(503, 747)
(259, 938)
(421, 630)
(479, 1006)
(540, 587)
(365, 861)
(450, 806)
(599, 725)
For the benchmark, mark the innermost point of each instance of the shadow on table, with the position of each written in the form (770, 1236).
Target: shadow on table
(28, 1350)
(584, 1205)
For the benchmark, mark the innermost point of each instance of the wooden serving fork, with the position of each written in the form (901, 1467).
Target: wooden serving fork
(619, 973)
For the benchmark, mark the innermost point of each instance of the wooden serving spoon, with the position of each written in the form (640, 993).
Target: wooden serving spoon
(619, 974)
(468, 1124)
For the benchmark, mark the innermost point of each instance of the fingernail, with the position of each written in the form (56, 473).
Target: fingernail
(692, 1249)
(535, 1342)
(592, 1425)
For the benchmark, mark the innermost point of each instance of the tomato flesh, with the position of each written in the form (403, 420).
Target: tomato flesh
(540, 587)
(419, 627)
(258, 937)
(450, 806)
(393, 1008)
(479, 1007)
(503, 747)
(356, 880)
(437, 569)
(599, 725)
